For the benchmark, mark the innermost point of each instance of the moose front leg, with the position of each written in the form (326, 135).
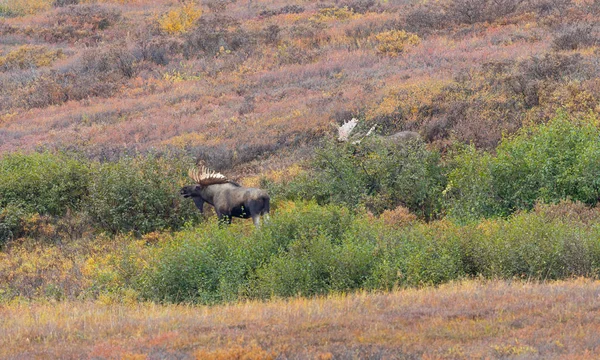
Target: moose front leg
(256, 220)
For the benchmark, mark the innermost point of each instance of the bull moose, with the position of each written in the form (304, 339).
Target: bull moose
(345, 134)
(229, 198)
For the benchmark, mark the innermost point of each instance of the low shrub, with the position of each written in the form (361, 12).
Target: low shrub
(292, 53)
(303, 251)
(181, 19)
(29, 56)
(574, 38)
(24, 7)
(11, 222)
(333, 13)
(470, 192)
(139, 195)
(398, 217)
(98, 72)
(532, 246)
(61, 3)
(218, 6)
(426, 18)
(38, 183)
(360, 6)
(287, 9)
(214, 34)
(306, 249)
(43, 183)
(377, 173)
(394, 42)
(74, 22)
(207, 265)
(474, 11)
(547, 162)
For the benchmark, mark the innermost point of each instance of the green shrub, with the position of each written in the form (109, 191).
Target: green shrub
(11, 222)
(546, 162)
(305, 251)
(376, 174)
(419, 255)
(470, 192)
(317, 263)
(43, 183)
(212, 264)
(182, 270)
(549, 162)
(533, 245)
(140, 195)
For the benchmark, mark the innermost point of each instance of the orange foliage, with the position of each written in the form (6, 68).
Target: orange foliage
(398, 217)
(237, 352)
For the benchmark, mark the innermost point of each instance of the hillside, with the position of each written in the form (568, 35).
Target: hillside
(231, 82)
(479, 238)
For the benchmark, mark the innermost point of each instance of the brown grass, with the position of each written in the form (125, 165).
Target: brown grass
(464, 320)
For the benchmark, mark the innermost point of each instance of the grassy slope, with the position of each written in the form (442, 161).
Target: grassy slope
(461, 320)
(274, 96)
(203, 108)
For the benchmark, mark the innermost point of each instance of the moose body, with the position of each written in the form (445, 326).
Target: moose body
(228, 198)
(403, 136)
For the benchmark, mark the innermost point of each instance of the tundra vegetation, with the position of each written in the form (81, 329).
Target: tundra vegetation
(105, 105)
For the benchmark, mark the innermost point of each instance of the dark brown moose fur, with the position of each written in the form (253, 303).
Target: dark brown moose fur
(230, 200)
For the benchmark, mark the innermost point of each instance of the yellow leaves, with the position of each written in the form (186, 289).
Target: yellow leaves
(398, 217)
(333, 13)
(287, 207)
(394, 42)
(410, 97)
(180, 20)
(126, 296)
(388, 106)
(176, 76)
(28, 56)
(25, 7)
(277, 176)
(188, 139)
(513, 350)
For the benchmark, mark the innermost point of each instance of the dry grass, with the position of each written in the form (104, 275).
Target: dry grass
(464, 320)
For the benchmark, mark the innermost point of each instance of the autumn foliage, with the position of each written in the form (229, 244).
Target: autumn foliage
(105, 104)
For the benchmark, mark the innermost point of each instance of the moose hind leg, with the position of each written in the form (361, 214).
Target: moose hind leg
(256, 220)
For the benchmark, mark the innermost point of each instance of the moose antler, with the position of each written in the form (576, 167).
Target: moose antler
(345, 130)
(205, 177)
